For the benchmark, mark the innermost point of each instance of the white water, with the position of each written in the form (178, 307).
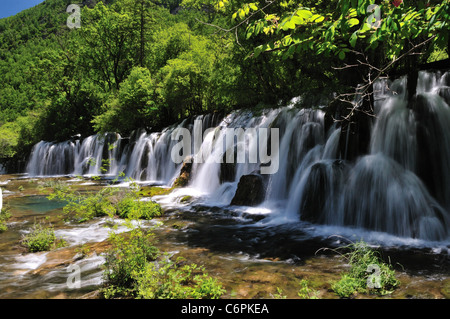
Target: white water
(401, 187)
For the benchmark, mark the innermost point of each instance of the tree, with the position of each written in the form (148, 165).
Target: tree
(354, 28)
(364, 41)
(133, 107)
(107, 44)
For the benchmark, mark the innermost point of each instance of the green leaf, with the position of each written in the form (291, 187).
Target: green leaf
(342, 55)
(352, 22)
(253, 6)
(305, 14)
(287, 40)
(289, 52)
(353, 39)
(288, 25)
(317, 18)
(241, 13)
(258, 28)
(297, 20)
(258, 50)
(250, 31)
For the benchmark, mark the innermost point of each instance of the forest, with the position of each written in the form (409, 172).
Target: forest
(149, 64)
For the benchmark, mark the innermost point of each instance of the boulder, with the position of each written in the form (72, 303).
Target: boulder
(250, 191)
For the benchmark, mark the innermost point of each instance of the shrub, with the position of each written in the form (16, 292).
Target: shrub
(4, 216)
(106, 202)
(134, 268)
(167, 279)
(134, 208)
(127, 256)
(306, 292)
(41, 238)
(368, 273)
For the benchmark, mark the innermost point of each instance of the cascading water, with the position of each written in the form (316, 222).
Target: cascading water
(49, 158)
(401, 187)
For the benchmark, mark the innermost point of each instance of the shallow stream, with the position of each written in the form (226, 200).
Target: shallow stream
(250, 250)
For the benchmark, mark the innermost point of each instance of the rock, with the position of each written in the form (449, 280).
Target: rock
(185, 173)
(250, 191)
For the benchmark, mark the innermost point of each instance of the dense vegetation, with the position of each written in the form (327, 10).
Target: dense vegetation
(41, 237)
(144, 63)
(135, 268)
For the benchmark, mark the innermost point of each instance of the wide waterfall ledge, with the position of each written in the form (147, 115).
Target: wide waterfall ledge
(401, 186)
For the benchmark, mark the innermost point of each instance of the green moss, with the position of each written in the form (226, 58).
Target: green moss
(446, 290)
(185, 199)
(150, 191)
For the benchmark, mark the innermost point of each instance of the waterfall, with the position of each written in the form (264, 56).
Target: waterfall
(48, 158)
(401, 186)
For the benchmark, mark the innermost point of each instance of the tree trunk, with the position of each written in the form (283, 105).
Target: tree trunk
(142, 44)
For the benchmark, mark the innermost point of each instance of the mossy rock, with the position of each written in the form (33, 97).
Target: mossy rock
(150, 191)
(186, 199)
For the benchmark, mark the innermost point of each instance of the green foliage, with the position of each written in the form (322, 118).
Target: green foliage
(367, 274)
(306, 292)
(9, 134)
(346, 30)
(279, 294)
(166, 279)
(41, 238)
(127, 256)
(134, 268)
(133, 208)
(85, 206)
(5, 215)
(348, 286)
(108, 201)
(133, 107)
